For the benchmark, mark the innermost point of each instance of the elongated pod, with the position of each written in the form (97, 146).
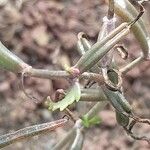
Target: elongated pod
(83, 46)
(100, 44)
(127, 12)
(10, 61)
(123, 102)
(122, 119)
(98, 50)
(21, 134)
(111, 97)
(118, 100)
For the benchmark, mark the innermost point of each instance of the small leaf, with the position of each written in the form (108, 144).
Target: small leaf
(85, 121)
(73, 95)
(95, 120)
(90, 122)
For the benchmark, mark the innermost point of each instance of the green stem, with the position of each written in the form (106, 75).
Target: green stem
(47, 74)
(131, 65)
(92, 95)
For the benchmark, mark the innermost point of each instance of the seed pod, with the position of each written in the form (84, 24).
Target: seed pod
(116, 96)
(10, 61)
(123, 102)
(83, 46)
(98, 50)
(107, 26)
(122, 119)
(118, 101)
(31, 131)
(127, 12)
(111, 97)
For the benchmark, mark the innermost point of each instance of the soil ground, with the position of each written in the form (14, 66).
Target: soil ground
(44, 34)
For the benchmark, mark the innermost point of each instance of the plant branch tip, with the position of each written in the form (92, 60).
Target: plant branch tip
(75, 72)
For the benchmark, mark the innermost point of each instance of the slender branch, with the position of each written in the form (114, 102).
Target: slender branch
(96, 108)
(92, 95)
(131, 65)
(48, 74)
(93, 77)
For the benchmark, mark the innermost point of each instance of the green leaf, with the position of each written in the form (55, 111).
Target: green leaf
(85, 121)
(73, 95)
(95, 120)
(90, 122)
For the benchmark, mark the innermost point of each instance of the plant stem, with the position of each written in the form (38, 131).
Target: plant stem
(92, 95)
(96, 109)
(48, 74)
(131, 65)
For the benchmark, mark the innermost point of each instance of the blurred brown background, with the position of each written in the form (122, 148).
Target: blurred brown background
(44, 34)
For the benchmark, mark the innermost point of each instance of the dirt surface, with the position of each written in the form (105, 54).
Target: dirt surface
(44, 34)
